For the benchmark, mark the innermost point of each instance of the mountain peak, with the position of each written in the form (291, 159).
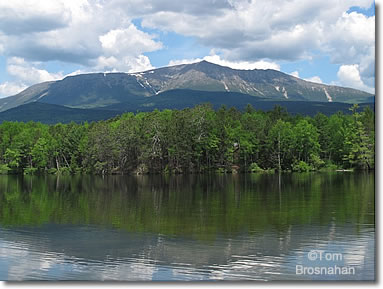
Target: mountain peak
(208, 67)
(97, 90)
(209, 64)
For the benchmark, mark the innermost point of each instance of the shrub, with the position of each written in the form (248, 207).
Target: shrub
(4, 169)
(301, 166)
(316, 161)
(221, 171)
(330, 166)
(30, 171)
(254, 168)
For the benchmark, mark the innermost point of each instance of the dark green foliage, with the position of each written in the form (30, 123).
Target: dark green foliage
(52, 114)
(193, 140)
(172, 99)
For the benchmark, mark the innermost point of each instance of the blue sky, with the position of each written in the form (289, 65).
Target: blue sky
(323, 41)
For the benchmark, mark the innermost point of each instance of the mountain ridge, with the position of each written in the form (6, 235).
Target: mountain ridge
(97, 90)
(172, 99)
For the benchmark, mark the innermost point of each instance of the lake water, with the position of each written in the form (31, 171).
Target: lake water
(213, 227)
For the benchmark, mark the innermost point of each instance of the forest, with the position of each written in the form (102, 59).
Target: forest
(192, 140)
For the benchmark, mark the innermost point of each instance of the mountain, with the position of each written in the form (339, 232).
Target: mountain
(51, 114)
(184, 98)
(31, 94)
(99, 90)
(172, 99)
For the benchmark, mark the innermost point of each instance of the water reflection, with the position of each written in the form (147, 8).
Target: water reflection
(256, 227)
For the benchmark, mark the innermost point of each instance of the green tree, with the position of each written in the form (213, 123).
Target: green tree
(281, 142)
(306, 145)
(361, 153)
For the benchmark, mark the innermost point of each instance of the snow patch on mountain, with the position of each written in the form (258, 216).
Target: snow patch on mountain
(226, 87)
(285, 92)
(329, 98)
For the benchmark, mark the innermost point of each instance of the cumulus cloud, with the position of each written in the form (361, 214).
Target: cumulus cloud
(352, 36)
(349, 75)
(29, 74)
(128, 41)
(127, 64)
(73, 31)
(101, 35)
(81, 32)
(196, 7)
(280, 30)
(295, 74)
(241, 30)
(24, 74)
(351, 41)
(11, 88)
(26, 16)
(123, 50)
(258, 29)
(65, 40)
(315, 78)
(246, 65)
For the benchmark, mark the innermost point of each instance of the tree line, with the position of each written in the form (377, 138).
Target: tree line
(192, 140)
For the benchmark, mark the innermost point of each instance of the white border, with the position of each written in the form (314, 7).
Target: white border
(378, 109)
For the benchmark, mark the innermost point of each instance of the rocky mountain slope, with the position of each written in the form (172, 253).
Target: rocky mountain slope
(106, 89)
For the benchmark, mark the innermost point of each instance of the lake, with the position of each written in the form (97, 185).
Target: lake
(190, 227)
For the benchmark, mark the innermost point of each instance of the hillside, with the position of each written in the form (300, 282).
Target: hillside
(99, 90)
(51, 114)
(173, 99)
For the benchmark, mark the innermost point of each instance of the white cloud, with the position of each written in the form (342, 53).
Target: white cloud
(11, 88)
(26, 16)
(280, 30)
(184, 61)
(251, 30)
(99, 35)
(24, 74)
(29, 74)
(349, 75)
(239, 30)
(129, 41)
(260, 64)
(123, 50)
(353, 35)
(351, 40)
(295, 73)
(127, 64)
(81, 32)
(246, 65)
(316, 79)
